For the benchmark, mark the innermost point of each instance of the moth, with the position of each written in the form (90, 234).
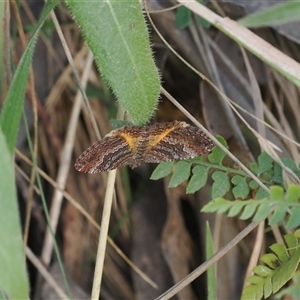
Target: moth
(133, 145)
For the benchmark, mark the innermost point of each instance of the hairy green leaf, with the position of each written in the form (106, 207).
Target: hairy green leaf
(117, 34)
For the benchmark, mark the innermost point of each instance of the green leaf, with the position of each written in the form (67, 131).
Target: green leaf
(254, 279)
(117, 35)
(254, 168)
(12, 109)
(291, 241)
(13, 277)
(292, 291)
(115, 123)
(236, 208)
(283, 264)
(219, 205)
(261, 193)
(241, 189)
(217, 155)
(297, 233)
(278, 214)
(183, 17)
(293, 193)
(294, 219)
(264, 166)
(260, 209)
(262, 271)
(3, 17)
(276, 193)
(162, 170)
(249, 209)
(268, 288)
(221, 184)
(265, 163)
(196, 160)
(211, 272)
(275, 15)
(286, 271)
(271, 260)
(253, 184)
(205, 24)
(262, 212)
(281, 251)
(198, 179)
(252, 292)
(277, 176)
(288, 162)
(181, 174)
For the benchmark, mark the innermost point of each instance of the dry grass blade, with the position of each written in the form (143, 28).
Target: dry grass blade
(271, 55)
(201, 269)
(103, 234)
(43, 271)
(65, 163)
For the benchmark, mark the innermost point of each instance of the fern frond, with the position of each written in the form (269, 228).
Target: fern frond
(282, 204)
(226, 179)
(279, 269)
(293, 291)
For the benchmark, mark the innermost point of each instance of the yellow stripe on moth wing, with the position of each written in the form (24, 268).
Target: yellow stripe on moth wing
(131, 141)
(155, 139)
